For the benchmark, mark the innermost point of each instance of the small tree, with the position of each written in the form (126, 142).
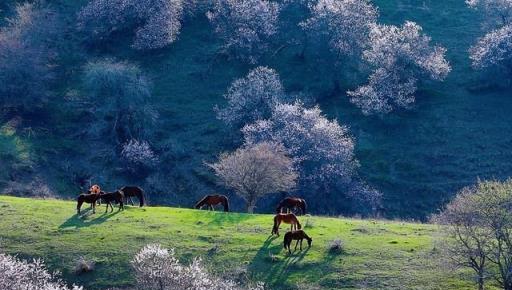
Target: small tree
(479, 222)
(252, 98)
(138, 155)
(16, 274)
(119, 93)
(401, 56)
(346, 23)
(245, 25)
(255, 171)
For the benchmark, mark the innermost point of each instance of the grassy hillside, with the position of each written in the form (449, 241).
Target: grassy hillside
(377, 254)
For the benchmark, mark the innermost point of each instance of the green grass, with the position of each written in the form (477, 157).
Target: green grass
(376, 255)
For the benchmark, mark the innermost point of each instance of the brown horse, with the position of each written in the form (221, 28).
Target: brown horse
(87, 198)
(211, 200)
(109, 197)
(133, 191)
(287, 218)
(290, 203)
(95, 189)
(298, 235)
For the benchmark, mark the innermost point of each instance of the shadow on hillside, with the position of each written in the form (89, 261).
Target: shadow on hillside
(225, 218)
(86, 219)
(268, 266)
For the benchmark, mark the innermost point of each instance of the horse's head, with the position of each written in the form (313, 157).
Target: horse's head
(95, 189)
(310, 241)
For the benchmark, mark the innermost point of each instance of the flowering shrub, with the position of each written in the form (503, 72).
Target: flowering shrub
(138, 153)
(346, 23)
(245, 25)
(25, 55)
(17, 274)
(158, 268)
(252, 98)
(157, 23)
(400, 55)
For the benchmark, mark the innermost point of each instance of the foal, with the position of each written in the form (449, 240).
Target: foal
(298, 236)
(87, 198)
(287, 218)
(109, 197)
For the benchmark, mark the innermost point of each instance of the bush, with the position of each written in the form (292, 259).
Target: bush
(157, 23)
(245, 26)
(26, 56)
(139, 153)
(17, 274)
(158, 268)
(336, 246)
(119, 94)
(83, 266)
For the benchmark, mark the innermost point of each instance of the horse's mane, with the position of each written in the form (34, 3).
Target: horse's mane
(201, 202)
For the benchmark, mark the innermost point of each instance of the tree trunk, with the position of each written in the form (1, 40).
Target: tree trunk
(480, 282)
(251, 204)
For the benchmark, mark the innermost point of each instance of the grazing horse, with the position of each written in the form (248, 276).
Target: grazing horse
(87, 198)
(298, 235)
(211, 200)
(130, 191)
(109, 197)
(290, 203)
(287, 218)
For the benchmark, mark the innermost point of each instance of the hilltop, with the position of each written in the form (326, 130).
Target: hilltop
(376, 254)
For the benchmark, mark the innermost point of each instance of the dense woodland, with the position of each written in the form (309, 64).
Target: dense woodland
(375, 108)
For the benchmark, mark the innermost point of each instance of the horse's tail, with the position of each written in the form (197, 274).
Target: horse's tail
(274, 228)
(304, 206)
(140, 194)
(201, 202)
(79, 202)
(226, 204)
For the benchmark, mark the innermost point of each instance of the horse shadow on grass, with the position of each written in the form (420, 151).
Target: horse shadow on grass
(268, 264)
(87, 218)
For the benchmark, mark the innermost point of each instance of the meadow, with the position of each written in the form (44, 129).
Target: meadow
(376, 254)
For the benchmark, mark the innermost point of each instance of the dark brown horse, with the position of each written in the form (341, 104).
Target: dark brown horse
(211, 200)
(287, 218)
(291, 203)
(87, 198)
(109, 197)
(133, 191)
(298, 236)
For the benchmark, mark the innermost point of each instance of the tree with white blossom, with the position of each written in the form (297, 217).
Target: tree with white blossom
(256, 170)
(252, 98)
(157, 268)
(495, 48)
(401, 56)
(322, 150)
(345, 23)
(156, 23)
(17, 274)
(245, 26)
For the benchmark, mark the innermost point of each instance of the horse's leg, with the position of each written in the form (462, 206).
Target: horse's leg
(131, 200)
(93, 207)
(78, 206)
(301, 244)
(296, 246)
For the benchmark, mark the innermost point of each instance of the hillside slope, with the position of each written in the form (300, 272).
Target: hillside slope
(377, 254)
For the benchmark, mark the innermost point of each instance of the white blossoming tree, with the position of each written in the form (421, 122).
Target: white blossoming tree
(400, 56)
(346, 23)
(156, 23)
(26, 55)
(256, 170)
(245, 26)
(139, 153)
(119, 93)
(158, 268)
(322, 150)
(252, 98)
(495, 48)
(17, 274)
